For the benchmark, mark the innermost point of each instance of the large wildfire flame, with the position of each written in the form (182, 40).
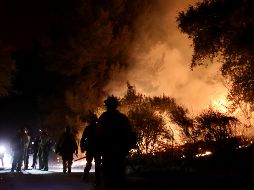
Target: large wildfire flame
(160, 62)
(220, 104)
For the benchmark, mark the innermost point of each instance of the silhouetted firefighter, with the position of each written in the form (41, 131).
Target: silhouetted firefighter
(66, 146)
(87, 144)
(44, 149)
(115, 138)
(26, 138)
(17, 145)
(35, 148)
(2, 156)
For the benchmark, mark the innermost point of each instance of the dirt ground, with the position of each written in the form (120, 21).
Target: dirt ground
(175, 180)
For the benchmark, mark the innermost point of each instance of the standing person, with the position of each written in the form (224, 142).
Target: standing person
(45, 146)
(2, 158)
(66, 147)
(40, 148)
(17, 146)
(114, 138)
(36, 149)
(26, 138)
(2, 150)
(87, 144)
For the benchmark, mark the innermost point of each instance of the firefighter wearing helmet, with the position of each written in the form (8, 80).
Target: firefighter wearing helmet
(113, 137)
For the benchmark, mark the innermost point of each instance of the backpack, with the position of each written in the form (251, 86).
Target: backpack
(85, 144)
(88, 138)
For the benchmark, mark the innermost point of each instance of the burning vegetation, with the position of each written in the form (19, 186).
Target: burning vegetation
(162, 125)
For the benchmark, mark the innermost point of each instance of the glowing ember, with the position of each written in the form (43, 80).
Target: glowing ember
(204, 154)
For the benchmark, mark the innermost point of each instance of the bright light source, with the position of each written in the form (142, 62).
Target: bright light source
(33, 142)
(2, 149)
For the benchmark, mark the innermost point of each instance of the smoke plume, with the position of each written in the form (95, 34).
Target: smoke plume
(160, 61)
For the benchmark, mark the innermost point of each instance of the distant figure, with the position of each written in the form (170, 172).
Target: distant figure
(36, 148)
(26, 139)
(40, 150)
(17, 146)
(114, 140)
(44, 148)
(2, 155)
(87, 144)
(66, 147)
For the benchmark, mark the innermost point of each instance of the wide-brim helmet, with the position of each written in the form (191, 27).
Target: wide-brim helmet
(111, 102)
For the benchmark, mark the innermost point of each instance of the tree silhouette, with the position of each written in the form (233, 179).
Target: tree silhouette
(223, 29)
(147, 115)
(216, 126)
(217, 130)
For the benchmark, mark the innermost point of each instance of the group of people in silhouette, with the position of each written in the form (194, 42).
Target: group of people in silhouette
(21, 148)
(107, 140)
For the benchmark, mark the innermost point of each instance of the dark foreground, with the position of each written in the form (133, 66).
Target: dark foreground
(52, 181)
(175, 180)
